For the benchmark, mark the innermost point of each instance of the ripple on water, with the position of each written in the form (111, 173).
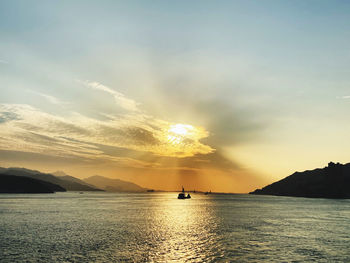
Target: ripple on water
(156, 227)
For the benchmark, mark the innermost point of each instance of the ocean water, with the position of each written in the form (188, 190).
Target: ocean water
(157, 227)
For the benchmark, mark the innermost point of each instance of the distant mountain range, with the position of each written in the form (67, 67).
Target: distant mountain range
(114, 185)
(16, 180)
(75, 181)
(332, 181)
(67, 182)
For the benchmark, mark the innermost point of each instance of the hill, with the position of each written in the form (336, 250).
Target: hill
(21, 184)
(332, 181)
(114, 185)
(84, 186)
(67, 183)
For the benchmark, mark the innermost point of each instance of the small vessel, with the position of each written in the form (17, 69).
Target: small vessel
(206, 193)
(182, 195)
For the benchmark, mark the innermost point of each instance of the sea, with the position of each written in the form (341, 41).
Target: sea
(157, 227)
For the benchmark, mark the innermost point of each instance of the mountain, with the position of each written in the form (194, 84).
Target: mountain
(332, 181)
(63, 176)
(22, 184)
(114, 185)
(68, 184)
(59, 173)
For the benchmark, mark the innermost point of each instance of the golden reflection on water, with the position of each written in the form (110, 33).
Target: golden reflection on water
(187, 230)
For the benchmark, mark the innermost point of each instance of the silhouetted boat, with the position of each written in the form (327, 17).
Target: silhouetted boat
(182, 195)
(206, 193)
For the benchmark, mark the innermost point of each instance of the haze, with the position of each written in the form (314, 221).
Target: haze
(213, 95)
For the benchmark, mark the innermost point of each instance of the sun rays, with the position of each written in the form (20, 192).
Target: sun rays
(177, 133)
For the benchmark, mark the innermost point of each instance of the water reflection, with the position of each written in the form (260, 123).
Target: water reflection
(157, 227)
(184, 230)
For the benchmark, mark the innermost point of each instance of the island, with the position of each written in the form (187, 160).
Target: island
(332, 181)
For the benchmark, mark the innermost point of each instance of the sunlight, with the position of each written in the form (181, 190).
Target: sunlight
(178, 132)
(180, 129)
(182, 140)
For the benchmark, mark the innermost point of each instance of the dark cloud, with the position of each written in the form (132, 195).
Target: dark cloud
(8, 116)
(115, 151)
(65, 128)
(188, 141)
(39, 139)
(230, 125)
(129, 135)
(213, 160)
(141, 136)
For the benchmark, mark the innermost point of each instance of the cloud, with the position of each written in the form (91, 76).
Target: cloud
(49, 98)
(133, 135)
(3, 61)
(25, 128)
(230, 125)
(120, 99)
(343, 97)
(7, 116)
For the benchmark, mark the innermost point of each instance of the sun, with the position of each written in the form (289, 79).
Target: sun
(182, 140)
(180, 129)
(178, 132)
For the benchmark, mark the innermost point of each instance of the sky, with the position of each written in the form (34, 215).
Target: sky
(214, 95)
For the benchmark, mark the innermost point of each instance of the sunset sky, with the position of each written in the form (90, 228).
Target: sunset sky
(220, 95)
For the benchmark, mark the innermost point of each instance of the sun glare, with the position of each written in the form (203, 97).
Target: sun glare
(181, 140)
(180, 129)
(178, 132)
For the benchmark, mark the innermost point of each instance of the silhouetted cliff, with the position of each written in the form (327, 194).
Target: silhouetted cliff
(67, 182)
(332, 181)
(21, 184)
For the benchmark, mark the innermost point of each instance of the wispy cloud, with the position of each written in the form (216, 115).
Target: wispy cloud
(3, 61)
(344, 97)
(49, 98)
(120, 99)
(33, 130)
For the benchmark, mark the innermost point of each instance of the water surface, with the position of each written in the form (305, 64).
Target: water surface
(157, 227)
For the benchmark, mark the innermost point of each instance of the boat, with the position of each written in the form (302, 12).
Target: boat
(182, 195)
